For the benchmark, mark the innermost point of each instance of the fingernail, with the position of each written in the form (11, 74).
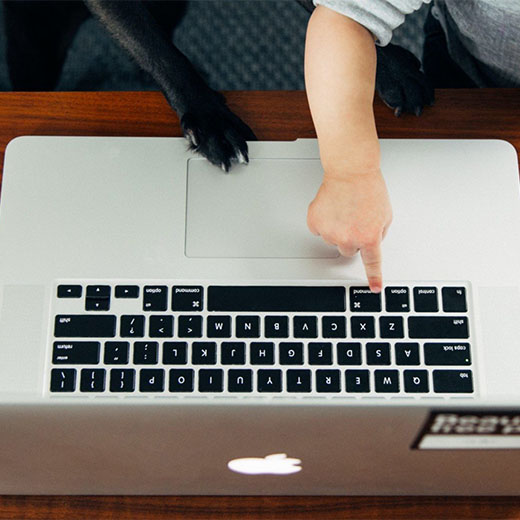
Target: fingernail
(375, 286)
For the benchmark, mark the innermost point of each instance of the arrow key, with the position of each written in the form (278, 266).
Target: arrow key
(190, 326)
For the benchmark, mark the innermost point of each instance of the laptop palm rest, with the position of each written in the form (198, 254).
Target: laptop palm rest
(257, 210)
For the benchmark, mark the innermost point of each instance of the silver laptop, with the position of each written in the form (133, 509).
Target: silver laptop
(166, 328)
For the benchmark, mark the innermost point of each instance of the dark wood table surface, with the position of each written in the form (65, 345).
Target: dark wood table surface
(485, 113)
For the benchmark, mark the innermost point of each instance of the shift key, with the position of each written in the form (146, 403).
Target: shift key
(438, 327)
(84, 326)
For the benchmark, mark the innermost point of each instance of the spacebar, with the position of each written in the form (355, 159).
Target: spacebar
(276, 298)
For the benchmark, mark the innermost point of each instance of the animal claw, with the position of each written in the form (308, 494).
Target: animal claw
(241, 158)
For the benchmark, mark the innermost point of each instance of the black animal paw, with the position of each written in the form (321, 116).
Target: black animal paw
(217, 134)
(400, 82)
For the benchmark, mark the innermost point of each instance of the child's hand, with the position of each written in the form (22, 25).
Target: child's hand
(353, 212)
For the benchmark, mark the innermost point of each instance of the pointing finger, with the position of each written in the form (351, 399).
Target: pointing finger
(371, 257)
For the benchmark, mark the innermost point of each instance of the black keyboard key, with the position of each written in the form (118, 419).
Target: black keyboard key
(328, 381)
(299, 381)
(132, 326)
(276, 298)
(161, 326)
(391, 327)
(75, 352)
(204, 353)
(397, 299)
(151, 380)
(386, 381)
(291, 353)
(63, 380)
(305, 327)
(407, 353)
(349, 353)
(453, 381)
(211, 380)
(320, 353)
(333, 327)
(438, 327)
(122, 380)
(261, 353)
(378, 353)
(233, 353)
(247, 326)
(416, 381)
(425, 299)
(219, 327)
(447, 354)
(190, 326)
(84, 326)
(116, 352)
(362, 299)
(269, 381)
(454, 299)
(155, 298)
(92, 380)
(357, 381)
(127, 291)
(276, 327)
(187, 298)
(181, 380)
(98, 298)
(175, 353)
(146, 352)
(240, 380)
(362, 327)
(98, 291)
(69, 291)
(97, 304)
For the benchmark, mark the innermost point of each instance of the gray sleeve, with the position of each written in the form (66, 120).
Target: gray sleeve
(380, 17)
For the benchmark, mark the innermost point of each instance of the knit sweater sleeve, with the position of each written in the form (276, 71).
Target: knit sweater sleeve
(380, 17)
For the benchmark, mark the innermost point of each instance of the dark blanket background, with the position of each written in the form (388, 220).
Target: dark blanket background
(236, 44)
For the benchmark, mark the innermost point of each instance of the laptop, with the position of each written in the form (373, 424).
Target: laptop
(166, 328)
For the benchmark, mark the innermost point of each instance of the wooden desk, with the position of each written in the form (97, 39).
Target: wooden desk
(273, 116)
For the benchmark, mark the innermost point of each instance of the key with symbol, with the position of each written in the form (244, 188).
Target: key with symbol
(132, 326)
(161, 326)
(187, 298)
(190, 326)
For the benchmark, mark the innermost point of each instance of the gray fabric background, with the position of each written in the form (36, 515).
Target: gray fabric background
(235, 44)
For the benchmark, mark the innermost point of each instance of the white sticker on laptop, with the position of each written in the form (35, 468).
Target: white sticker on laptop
(470, 430)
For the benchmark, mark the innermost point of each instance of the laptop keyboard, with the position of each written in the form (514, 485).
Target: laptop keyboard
(127, 339)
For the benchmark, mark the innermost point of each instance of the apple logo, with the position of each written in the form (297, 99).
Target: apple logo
(277, 464)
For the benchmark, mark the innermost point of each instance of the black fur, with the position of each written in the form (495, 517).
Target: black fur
(39, 33)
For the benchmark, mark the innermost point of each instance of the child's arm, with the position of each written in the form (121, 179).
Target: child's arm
(352, 208)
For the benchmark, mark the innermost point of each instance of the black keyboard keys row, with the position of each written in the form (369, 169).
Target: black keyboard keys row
(267, 381)
(184, 298)
(260, 353)
(162, 326)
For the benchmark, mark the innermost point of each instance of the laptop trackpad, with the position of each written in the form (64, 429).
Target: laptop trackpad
(257, 210)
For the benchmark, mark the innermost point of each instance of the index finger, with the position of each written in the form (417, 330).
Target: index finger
(371, 257)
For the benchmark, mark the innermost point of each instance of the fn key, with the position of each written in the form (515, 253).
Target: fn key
(452, 381)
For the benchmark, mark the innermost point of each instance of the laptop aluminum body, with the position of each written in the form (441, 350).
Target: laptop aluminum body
(147, 211)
